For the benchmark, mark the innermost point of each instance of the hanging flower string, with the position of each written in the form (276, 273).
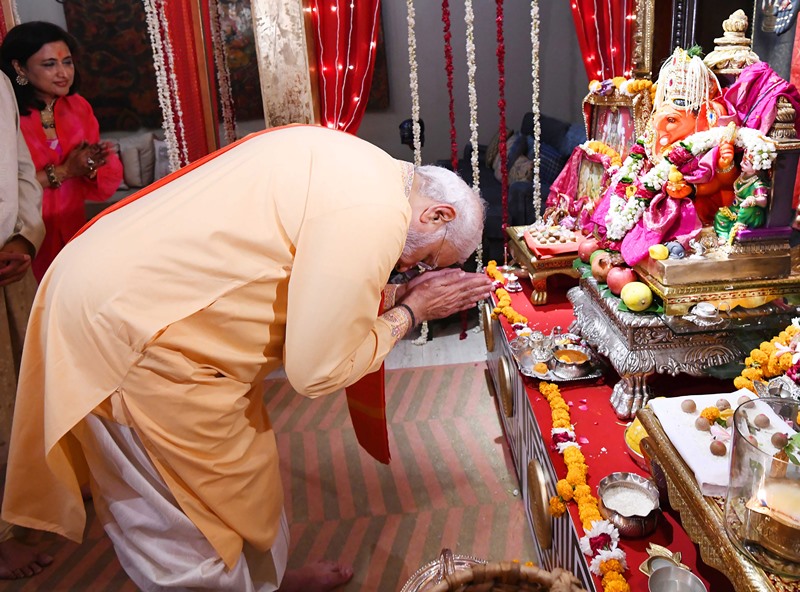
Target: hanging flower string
(537, 125)
(601, 538)
(175, 95)
(501, 104)
(448, 61)
(414, 84)
(152, 10)
(469, 20)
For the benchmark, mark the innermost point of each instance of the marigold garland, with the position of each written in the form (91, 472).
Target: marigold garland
(601, 538)
(503, 297)
(772, 358)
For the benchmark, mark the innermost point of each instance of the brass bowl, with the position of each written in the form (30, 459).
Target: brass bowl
(569, 369)
(638, 522)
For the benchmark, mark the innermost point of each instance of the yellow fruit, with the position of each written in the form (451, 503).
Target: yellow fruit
(634, 434)
(637, 296)
(658, 252)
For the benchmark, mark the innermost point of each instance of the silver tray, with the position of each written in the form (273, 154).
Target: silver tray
(430, 574)
(521, 359)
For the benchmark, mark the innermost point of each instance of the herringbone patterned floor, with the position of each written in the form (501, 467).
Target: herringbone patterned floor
(450, 484)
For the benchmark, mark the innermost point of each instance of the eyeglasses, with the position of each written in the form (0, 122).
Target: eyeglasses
(430, 267)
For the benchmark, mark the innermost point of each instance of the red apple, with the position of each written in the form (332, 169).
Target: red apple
(601, 265)
(587, 246)
(619, 276)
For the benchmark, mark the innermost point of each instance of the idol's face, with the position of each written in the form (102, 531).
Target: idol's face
(50, 70)
(671, 125)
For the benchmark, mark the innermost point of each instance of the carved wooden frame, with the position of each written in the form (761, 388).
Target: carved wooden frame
(642, 61)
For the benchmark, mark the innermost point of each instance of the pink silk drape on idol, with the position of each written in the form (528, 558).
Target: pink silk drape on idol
(63, 209)
(346, 36)
(250, 260)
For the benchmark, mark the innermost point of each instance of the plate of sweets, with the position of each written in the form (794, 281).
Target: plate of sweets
(547, 240)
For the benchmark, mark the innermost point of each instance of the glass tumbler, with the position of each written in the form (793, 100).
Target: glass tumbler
(762, 506)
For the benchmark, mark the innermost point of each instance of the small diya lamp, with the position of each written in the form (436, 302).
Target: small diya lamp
(762, 507)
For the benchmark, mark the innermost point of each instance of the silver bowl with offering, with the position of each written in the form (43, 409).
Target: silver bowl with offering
(630, 502)
(571, 361)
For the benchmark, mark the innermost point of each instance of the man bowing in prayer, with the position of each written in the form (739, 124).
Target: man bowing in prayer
(154, 328)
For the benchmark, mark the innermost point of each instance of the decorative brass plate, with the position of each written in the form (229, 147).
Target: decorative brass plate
(539, 504)
(506, 385)
(488, 329)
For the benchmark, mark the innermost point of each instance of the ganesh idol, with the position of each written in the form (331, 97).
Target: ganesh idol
(680, 172)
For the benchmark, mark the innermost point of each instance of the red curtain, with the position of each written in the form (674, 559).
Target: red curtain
(346, 36)
(605, 36)
(187, 72)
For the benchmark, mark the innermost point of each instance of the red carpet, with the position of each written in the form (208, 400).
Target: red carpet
(450, 484)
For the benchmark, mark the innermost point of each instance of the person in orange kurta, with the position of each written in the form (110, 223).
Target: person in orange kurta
(61, 131)
(154, 328)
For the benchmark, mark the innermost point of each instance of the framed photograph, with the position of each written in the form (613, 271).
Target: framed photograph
(613, 126)
(591, 180)
(616, 119)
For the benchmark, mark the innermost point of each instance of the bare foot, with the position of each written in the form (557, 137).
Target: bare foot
(321, 576)
(18, 560)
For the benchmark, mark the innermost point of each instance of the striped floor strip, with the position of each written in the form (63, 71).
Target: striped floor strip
(450, 484)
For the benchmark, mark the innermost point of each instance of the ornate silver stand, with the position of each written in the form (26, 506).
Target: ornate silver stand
(640, 345)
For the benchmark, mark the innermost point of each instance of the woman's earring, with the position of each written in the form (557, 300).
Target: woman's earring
(21, 80)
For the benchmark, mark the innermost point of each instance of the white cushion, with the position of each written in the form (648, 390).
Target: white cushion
(138, 159)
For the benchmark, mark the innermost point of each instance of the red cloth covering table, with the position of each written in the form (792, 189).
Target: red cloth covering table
(600, 435)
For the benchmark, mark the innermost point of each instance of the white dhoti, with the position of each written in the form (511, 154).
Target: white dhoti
(156, 543)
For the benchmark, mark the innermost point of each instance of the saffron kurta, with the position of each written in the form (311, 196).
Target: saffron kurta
(166, 315)
(63, 208)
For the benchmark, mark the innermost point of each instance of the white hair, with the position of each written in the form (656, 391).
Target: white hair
(465, 232)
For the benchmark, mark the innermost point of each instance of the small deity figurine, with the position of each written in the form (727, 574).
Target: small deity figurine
(748, 209)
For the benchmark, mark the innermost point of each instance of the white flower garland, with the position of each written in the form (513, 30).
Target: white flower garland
(414, 83)
(168, 117)
(537, 127)
(469, 20)
(760, 149)
(176, 97)
(624, 214)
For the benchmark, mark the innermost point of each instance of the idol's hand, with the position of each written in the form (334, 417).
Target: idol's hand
(438, 294)
(725, 157)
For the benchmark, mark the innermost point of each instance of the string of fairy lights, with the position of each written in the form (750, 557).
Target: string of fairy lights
(345, 71)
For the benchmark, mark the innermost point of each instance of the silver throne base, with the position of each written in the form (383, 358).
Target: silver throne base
(640, 345)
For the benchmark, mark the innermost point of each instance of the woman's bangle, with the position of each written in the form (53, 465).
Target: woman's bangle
(410, 313)
(52, 177)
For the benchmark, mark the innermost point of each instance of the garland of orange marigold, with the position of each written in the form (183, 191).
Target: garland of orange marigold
(773, 358)
(503, 297)
(601, 538)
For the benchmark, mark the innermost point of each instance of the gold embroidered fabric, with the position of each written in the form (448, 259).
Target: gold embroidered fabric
(407, 173)
(399, 321)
